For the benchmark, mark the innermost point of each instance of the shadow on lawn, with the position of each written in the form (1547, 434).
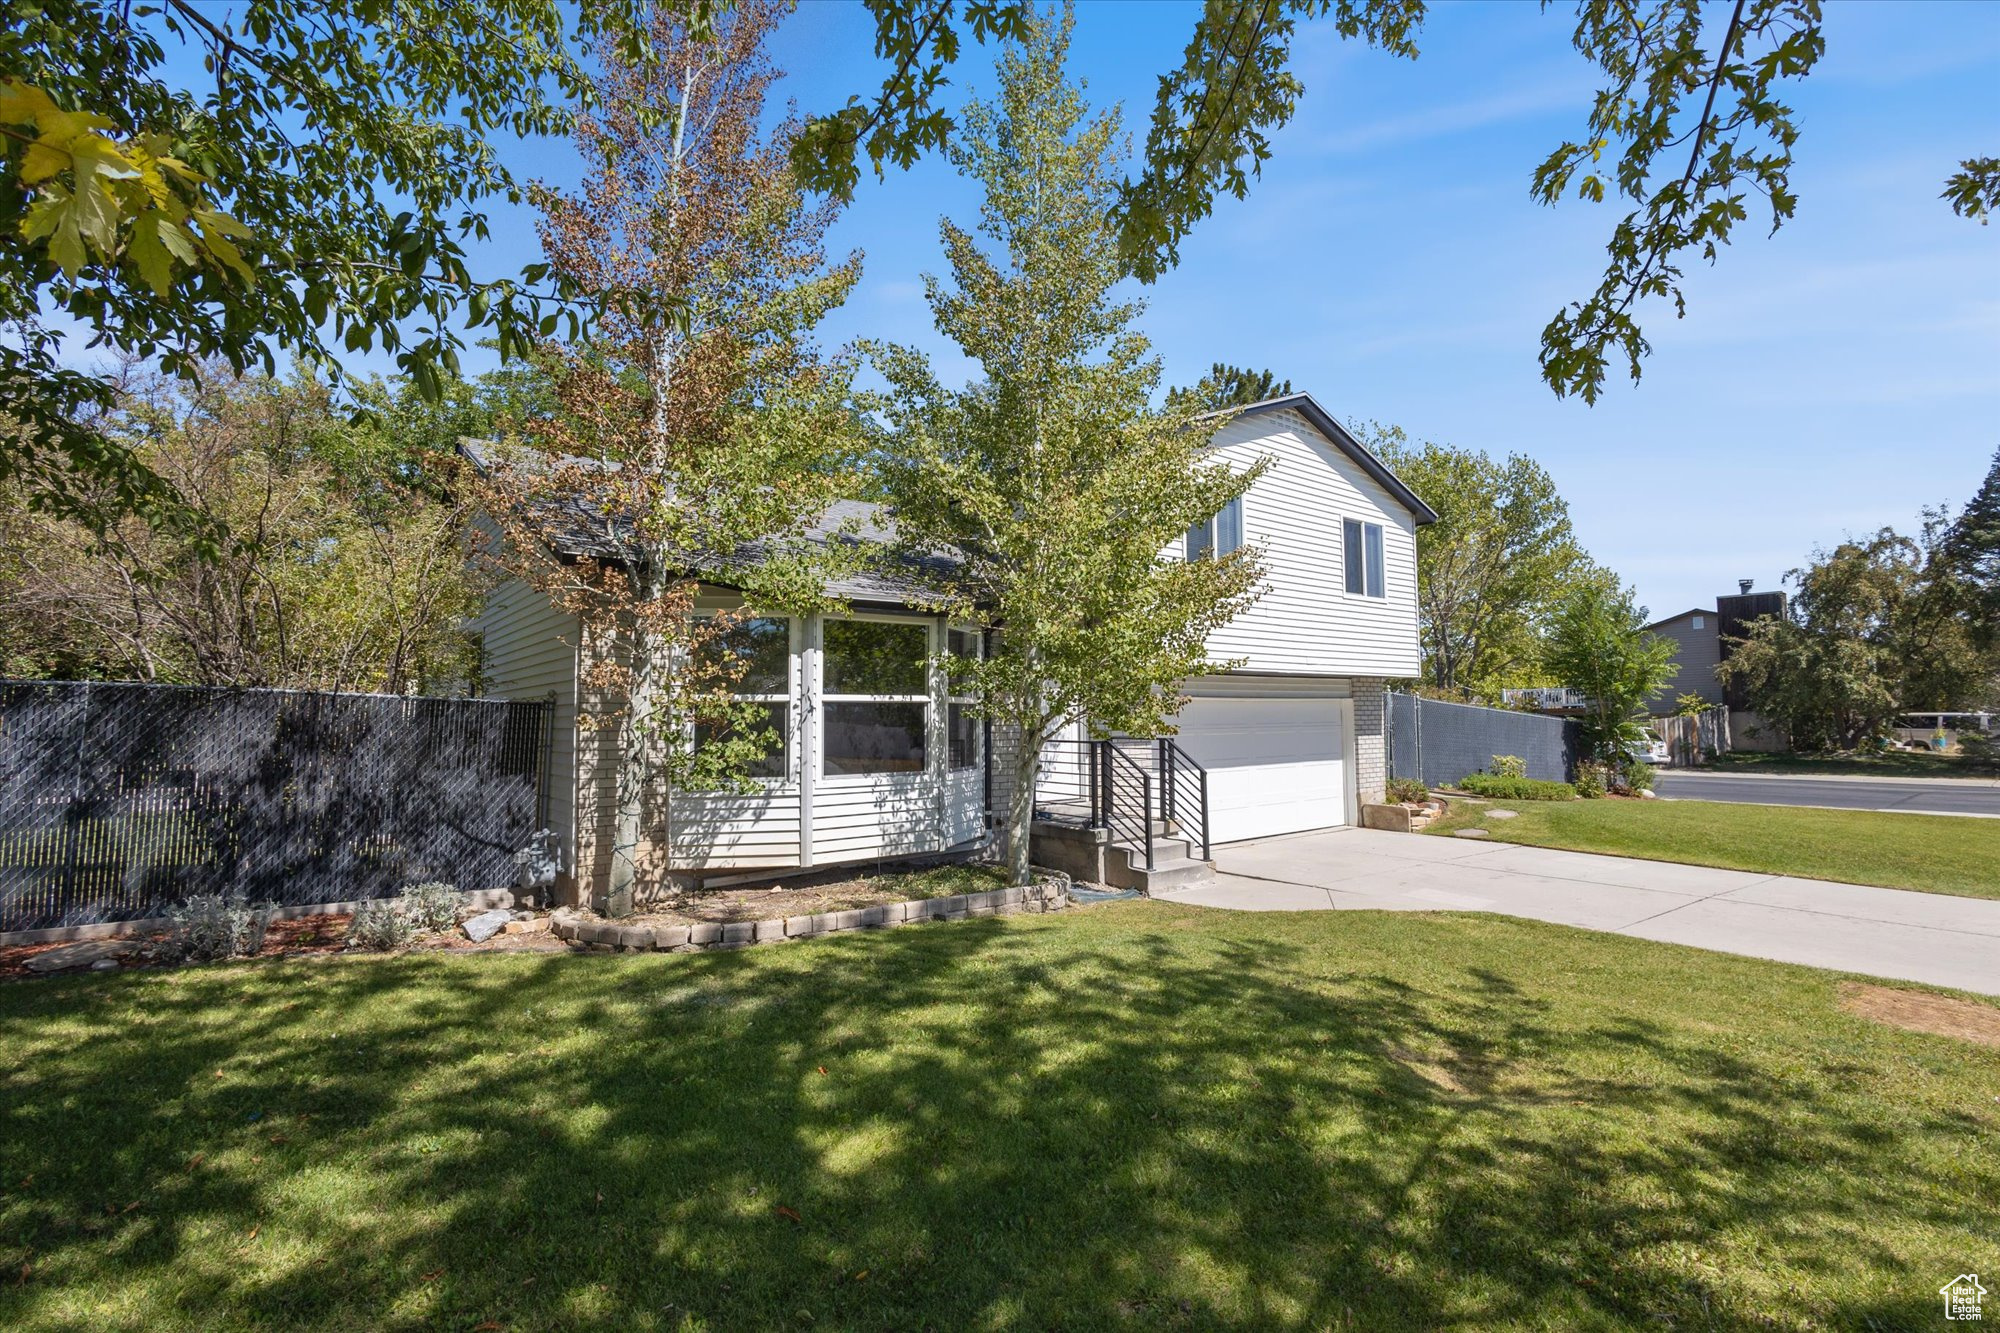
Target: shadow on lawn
(975, 1125)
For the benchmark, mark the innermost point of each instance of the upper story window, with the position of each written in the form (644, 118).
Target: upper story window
(759, 653)
(1219, 535)
(1361, 547)
(1697, 622)
(877, 697)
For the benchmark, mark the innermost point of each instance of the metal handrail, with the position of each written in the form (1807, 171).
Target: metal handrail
(1178, 766)
(1117, 819)
(1115, 790)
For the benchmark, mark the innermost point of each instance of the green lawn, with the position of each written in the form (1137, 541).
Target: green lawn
(1881, 764)
(1132, 1116)
(1931, 853)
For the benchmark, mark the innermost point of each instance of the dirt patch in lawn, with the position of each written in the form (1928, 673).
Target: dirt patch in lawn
(1940, 1015)
(838, 890)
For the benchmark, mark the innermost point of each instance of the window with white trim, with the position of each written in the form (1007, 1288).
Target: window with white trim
(761, 650)
(1361, 548)
(876, 697)
(962, 729)
(1219, 535)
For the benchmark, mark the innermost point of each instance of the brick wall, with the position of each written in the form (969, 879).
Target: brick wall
(1371, 767)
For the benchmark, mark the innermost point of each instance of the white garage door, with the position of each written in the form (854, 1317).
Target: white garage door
(1274, 765)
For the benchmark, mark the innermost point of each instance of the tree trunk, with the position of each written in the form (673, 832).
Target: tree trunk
(1021, 811)
(635, 767)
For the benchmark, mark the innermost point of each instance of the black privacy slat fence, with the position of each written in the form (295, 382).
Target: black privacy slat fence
(1440, 743)
(119, 800)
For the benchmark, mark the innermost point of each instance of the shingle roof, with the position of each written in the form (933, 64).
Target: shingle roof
(574, 526)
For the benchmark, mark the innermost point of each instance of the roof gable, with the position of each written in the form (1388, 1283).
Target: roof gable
(1322, 421)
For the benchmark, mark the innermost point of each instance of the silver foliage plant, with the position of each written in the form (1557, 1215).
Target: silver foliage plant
(209, 926)
(381, 925)
(432, 905)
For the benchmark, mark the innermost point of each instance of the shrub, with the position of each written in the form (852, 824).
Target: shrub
(209, 926)
(380, 925)
(432, 905)
(1517, 789)
(1509, 766)
(1632, 775)
(1407, 790)
(1590, 783)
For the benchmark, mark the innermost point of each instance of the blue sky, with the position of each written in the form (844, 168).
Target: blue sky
(1829, 380)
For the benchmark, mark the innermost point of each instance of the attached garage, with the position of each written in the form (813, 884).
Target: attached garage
(1276, 763)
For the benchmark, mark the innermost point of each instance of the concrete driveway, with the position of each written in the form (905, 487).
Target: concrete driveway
(1928, 937)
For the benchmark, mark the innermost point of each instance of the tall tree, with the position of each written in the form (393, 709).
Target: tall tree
(1874, 628)
(1973, 549)
(687, 441)
(343, 565)
(1598, 644)
(317, 186)
(1052, 476)
(1492, 568)
(1227, 386)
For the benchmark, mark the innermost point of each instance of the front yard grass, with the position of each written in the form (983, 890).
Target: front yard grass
(1930, 853)
(1138, 1115)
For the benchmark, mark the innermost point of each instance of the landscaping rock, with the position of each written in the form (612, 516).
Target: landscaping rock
(873, 917)
(798, 927)
(670, 937)
(766, 932)
(84, 953)
(533, 925)
(1503, 814)
(486, 925)
(704, 933)
(105, 965)
(1471, 833)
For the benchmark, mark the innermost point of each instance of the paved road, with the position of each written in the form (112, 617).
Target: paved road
(1928, 937)
(1953, 796)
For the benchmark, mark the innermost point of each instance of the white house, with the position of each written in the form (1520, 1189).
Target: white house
(881, 762)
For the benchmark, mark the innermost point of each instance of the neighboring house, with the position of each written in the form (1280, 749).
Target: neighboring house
(881, 762)
(1703, 640)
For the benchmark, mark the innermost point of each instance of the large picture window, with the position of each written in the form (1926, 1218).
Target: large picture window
(760, 651)
(876, 683)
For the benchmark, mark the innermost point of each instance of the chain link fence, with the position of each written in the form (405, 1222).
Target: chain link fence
(119, 800)
(1439, 743)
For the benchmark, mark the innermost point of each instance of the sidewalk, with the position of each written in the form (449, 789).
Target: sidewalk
(1927, 937)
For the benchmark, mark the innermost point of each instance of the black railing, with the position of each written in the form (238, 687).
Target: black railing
(1128, 786)
(1183, 792)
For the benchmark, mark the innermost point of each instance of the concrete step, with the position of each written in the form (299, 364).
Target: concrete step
(1178, 872)
(1164, 848)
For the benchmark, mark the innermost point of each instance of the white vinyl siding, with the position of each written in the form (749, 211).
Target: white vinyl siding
(528, 651)
(1306, 622)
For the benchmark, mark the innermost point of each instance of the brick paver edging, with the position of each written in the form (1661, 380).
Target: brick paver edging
(736, 934)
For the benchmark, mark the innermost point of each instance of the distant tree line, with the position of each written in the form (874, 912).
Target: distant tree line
(1882, 625)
